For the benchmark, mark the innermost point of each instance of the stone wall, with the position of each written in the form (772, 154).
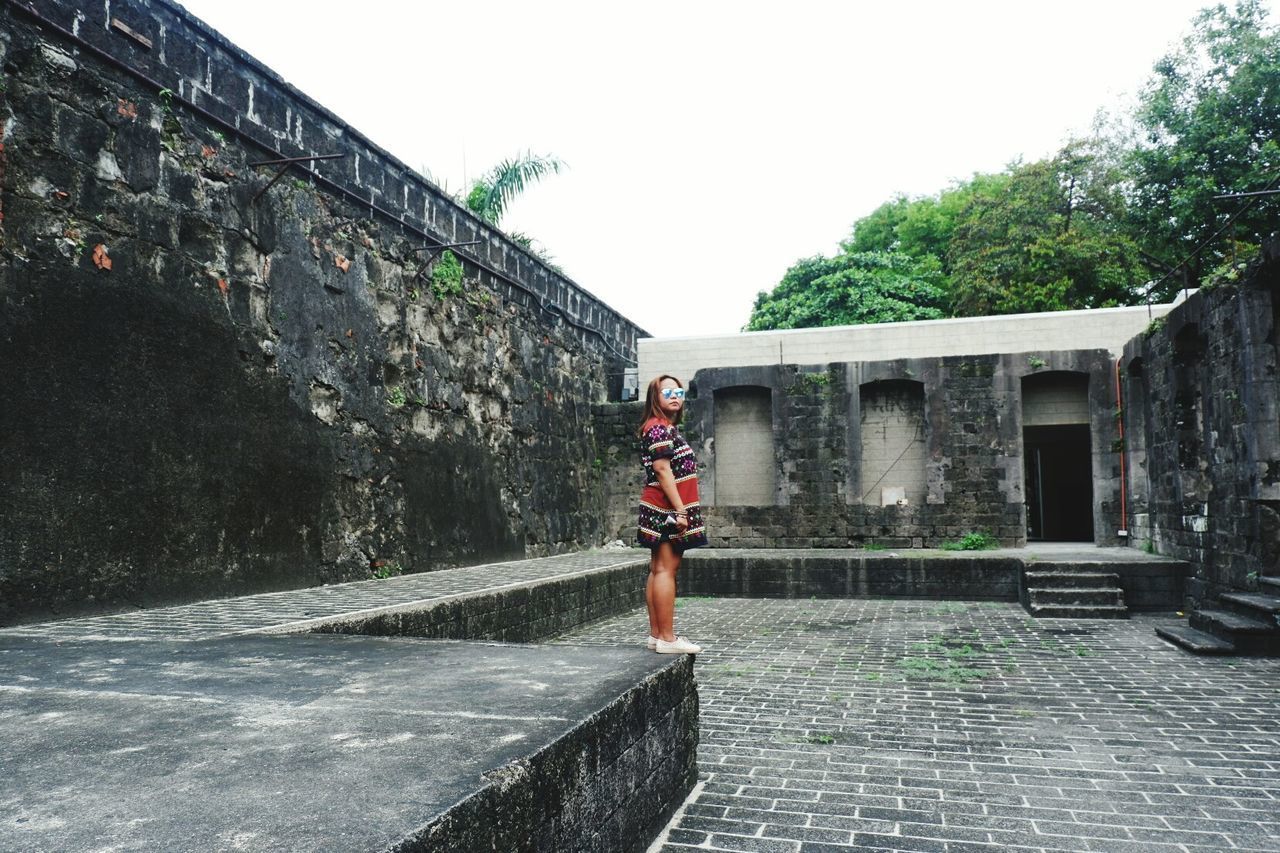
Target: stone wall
(214, 386)
(1202, 421)
(618, 457)
(857, 574)
(964, 416)
(525, 613)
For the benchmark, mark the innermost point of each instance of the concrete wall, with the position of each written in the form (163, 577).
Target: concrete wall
(1202, 426)
(1102, 328)
(1059, 399)
(892, 430)
(214, 388)
(744, 442)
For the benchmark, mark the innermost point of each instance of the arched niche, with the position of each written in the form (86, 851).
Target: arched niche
(745, 467)
(892, 438)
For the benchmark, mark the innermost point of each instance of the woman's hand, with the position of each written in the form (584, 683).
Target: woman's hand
(682, 523)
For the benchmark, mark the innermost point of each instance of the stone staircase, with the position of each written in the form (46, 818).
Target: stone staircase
(1243, 623)
(1068, 591)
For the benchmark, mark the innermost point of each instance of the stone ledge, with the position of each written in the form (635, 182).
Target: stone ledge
(850, 574)
(1149, 583)
(519, 614)
(326, 742)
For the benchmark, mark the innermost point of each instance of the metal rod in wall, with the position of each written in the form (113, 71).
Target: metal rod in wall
(316, 176)
(287, 161)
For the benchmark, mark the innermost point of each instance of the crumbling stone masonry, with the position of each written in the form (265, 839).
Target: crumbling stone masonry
(965, 419)
(212, 387)
(1175, 445)
(1202, 423)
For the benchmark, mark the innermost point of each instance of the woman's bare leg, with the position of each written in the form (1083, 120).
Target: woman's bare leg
(648, 594)
(662, 590)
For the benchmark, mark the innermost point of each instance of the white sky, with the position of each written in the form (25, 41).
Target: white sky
(710, 145)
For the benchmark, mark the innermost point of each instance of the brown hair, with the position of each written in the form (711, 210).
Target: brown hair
(651, 399)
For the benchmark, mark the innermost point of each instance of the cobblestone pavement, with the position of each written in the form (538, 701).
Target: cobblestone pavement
(942, 726)
(273, 610)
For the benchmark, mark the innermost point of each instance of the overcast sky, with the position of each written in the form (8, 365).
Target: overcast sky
(709, 145)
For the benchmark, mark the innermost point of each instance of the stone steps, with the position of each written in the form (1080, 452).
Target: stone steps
(1073, 592)
(1246, 623)
(1246, 602)
(1195, 641)
(1222, 622)
(1270, 585)
(1063, 578)
(1078, 596)
(1099, 611)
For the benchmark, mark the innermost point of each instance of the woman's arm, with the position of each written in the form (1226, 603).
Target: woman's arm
(667, 482)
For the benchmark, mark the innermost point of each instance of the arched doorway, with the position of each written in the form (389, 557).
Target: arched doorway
(1057, 457)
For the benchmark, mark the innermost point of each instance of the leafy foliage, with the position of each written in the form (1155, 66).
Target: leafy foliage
(446, 276)
(494, 191)
(977, 541)
(852, 288)
(1092, 226)
(1208, 123)
(1045, 238)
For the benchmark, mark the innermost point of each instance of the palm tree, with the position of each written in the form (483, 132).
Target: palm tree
(492, 192)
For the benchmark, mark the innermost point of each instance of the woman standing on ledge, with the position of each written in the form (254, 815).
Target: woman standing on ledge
(670, 517)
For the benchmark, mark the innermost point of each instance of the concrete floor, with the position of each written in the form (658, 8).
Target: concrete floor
(837, 725)
(312, 742)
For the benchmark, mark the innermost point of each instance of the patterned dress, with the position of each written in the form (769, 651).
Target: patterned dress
(660, 440)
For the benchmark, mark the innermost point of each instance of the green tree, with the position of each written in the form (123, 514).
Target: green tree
(919, 227)
(878, 230)
(850, 289)
(491, 193)
(1208, 123)
(1046, 236)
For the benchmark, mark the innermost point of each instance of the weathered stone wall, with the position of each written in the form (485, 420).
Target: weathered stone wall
(526, 613)
(618, 457)
(609, 785)
(970, 428)
(214, 388)
(1202, 421)
(970, 435)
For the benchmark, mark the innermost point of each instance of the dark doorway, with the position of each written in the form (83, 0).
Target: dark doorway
(1059, 483)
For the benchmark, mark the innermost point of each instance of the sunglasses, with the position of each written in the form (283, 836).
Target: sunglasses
(673, 393)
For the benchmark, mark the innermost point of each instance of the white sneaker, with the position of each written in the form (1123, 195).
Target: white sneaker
(651, 643)
(678, 646)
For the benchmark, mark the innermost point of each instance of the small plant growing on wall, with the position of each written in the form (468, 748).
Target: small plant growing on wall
(383, 569)
(1037, 363)
(396, 397)
(979, 540)
(446, 277)
(809, 383)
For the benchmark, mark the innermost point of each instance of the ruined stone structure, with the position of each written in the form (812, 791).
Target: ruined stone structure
(906, 453)
(215, 384)
(1202, 429)
(226, 373)
(918, 435)
(1162, 434)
